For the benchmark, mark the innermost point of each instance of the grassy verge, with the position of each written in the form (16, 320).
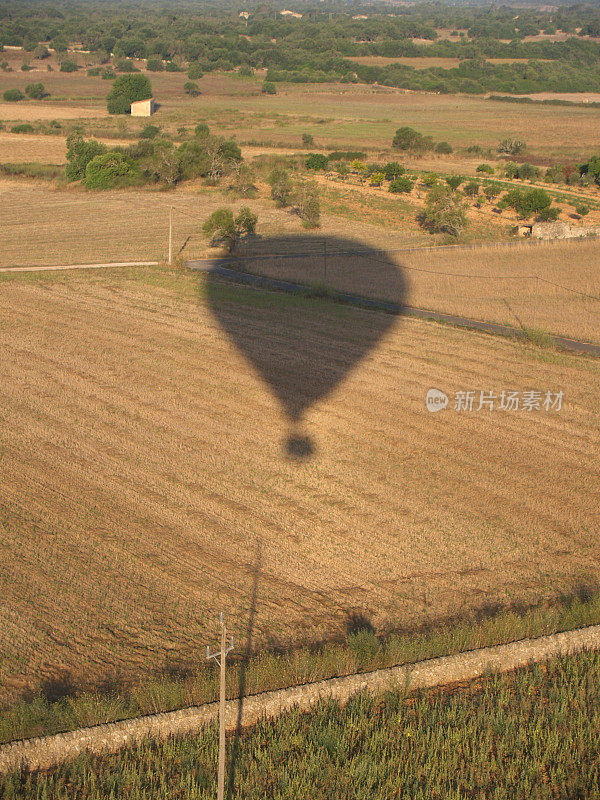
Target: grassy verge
(361, 651)
(530, 734)
(46, 172)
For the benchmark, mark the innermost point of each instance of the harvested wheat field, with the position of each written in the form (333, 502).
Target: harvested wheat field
(144, 486)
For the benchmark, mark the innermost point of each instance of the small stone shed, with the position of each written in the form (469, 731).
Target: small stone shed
(143, 108)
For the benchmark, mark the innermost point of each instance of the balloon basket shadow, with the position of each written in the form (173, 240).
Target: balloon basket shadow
(298, 446)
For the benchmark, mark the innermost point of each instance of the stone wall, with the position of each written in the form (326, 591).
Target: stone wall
(562, 230)
(44, 752)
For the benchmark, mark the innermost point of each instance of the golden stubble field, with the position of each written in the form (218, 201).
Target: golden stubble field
(144, 486)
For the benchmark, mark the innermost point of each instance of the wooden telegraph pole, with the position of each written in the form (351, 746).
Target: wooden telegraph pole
(220, 656)
(170, 235)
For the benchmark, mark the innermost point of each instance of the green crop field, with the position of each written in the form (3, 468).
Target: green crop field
(531, 734)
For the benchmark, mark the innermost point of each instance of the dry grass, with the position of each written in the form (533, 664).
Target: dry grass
(496, 283)
(144, 487)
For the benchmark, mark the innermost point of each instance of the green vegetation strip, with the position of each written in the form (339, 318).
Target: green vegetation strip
(529, 734)
(361, 651)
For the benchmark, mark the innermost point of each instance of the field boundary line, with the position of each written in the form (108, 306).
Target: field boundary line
(82, 266)
(291, 287)
(42, 753)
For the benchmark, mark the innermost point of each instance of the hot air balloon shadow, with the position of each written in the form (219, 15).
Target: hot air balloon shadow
(303, 350)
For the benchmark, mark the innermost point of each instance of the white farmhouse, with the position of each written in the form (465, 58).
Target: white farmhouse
(143, 108)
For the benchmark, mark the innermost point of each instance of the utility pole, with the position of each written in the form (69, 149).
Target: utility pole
(325, 262)
(219, 656)
(535, 300)
(170, 235)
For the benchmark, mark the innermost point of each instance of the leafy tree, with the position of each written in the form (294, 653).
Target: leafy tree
(401, 184)
(317, 161)
(68, 66)
(111, 170)
(269, 87)
(308, 140)
(191, 88)
(13, 95)
(36, 91)
(282, 187)
(126, 90)
(242, 181)
(246, 72)
(591, 168)
(41, 51)
(79, 154)
(195, 72)
(126, 65)
(409, 139)
(444, 148)
(307, 204)
(485, 168)
(223, 228)
(443, 212)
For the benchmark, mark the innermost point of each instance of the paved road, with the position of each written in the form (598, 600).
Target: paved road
(562, 342)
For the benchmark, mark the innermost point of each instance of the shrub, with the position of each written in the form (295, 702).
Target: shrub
(471, 189)
(511, 147)
(68, 66)
(108, 74)
(149, 132)
(307, 204)
(94, 72)
(527, 172)
(376, 178)
(13, 95)
(41, 51)
(401, 184)
(223, 228)
(444, 148)
(308, 140)
(36, 91)
(454, 181)
(201, 130)
(194, 72)
(392, 170)
(491, 191)
(527, 203)
(346, 155)
(242, 182)
(268, 88)
(246, 71)
(155, 65)
(281, 187)
(125, 91)
(582, 210)
(111, 170)
(430, 179)
(191, 88)
(24, 127)
(486, 168)
(443, 213)
(25, 67)
(317, 161)
(125, 65)
(549, 214)
(171, 66)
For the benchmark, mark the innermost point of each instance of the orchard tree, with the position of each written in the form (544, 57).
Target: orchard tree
(223, 228)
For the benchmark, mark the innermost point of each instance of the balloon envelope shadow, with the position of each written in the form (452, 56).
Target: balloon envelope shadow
(304, 348)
